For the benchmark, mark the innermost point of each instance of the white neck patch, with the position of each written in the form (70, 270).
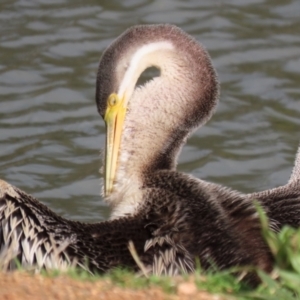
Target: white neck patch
(136, 60)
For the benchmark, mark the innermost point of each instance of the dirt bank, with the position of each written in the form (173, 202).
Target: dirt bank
(21, 285)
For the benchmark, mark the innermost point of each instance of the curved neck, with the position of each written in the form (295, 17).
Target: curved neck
(164, 111)
(154, 129)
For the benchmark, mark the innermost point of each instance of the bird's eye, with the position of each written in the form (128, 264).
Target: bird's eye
(113, 100)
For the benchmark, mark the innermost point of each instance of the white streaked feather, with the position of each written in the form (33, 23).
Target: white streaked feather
(148, 245)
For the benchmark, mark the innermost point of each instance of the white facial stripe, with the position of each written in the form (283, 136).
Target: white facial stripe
(136, 60)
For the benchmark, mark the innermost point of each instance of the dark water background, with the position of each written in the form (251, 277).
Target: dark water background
(51, 134)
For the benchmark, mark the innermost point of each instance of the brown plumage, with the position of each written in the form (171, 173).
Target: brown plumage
(169, 231)
(171, 218)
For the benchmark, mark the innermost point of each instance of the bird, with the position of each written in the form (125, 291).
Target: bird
(169, 219)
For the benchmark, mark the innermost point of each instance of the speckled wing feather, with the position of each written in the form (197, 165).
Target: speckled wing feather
(179, 221)
(23, 235)
(38, 238)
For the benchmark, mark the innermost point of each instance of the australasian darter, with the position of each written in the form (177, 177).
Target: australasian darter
(171, 218)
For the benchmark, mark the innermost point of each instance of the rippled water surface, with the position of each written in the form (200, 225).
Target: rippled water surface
(51, 133)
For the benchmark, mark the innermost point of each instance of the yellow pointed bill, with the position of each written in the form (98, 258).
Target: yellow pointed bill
(114, 119)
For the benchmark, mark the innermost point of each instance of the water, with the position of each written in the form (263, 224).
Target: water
(51, 134)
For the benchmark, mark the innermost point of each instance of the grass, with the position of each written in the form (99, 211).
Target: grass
(282, 283)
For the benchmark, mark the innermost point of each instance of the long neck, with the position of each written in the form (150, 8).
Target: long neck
(160, 114)
(153, 132)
